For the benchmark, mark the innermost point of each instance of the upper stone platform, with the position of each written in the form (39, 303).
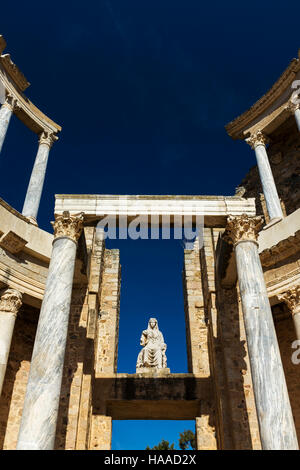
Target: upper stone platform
(214, 209)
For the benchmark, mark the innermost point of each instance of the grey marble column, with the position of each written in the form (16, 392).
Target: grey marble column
(276, 424)
(39, 418)
(6, 112)
(292, 299)
(10, 302)
(36, 183)
(258, 143)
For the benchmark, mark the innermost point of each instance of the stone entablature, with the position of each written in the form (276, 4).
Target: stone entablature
(215, 209)
(271, 110)
(15, 83)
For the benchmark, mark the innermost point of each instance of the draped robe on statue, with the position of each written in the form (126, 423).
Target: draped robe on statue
(153, 353)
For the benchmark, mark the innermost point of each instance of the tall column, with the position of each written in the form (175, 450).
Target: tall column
(294, 108)
(292, 299)
(258, 142)
(36, 183)
(277, 429)
(6, 112)
(39, 418)
(10, 302)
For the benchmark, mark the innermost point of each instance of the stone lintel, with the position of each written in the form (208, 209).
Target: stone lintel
(132, 396)
(213, 209)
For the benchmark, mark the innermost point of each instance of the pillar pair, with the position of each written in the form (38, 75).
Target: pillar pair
(38, 425)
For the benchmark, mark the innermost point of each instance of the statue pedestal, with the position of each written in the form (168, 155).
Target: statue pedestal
(153, 371)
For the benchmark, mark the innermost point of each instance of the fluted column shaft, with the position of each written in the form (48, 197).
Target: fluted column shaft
(10, 302)
(39, 418)
(292, 299)
(6, 112)
(36, 183)
(258, 143)
(276, 424)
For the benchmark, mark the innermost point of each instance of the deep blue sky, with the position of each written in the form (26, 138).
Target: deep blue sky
(143, 90)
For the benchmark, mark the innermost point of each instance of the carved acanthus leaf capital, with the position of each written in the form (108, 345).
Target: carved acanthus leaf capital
(11, 102)
(292, 299)
(69, 226)
(10, 301)
(257, 138)
(242, 228)
(47, 138)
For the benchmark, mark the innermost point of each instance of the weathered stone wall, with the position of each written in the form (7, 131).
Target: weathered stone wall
(195, 321)
(13, 394)
(108, 322)
(284, 153)
(286, 335)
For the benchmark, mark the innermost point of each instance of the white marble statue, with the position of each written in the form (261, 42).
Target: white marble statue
(153, 354)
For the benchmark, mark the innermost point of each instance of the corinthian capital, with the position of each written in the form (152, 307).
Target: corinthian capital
(242, 228)
(257, 138)
(11, 102)
(292, 299)
(69, 226)
(10, 301)
(47, 138)
(293, 105)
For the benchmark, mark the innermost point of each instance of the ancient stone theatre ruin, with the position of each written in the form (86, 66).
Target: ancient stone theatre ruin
(60, 297)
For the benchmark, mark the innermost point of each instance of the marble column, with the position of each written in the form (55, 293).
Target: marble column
(6, 112)
(258, 143)
(292, 299)
(39, 418)
(10, 302)
(36, 183)
(277, 429)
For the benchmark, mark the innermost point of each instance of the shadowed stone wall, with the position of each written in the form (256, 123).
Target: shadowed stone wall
(13, 394)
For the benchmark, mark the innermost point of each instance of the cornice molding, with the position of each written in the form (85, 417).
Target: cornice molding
(14, 72)
(283, 250)
(235, 127)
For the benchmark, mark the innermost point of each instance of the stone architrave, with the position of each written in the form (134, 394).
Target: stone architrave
(258, 142)
(10, 303)
(292, 299)
(39, 418)
(277, 428)
(153, 355)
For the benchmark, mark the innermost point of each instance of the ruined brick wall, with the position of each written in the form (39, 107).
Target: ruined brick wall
(284, 157)
(13, 394)
(108, 321)
(195, 321)
(286, 335)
